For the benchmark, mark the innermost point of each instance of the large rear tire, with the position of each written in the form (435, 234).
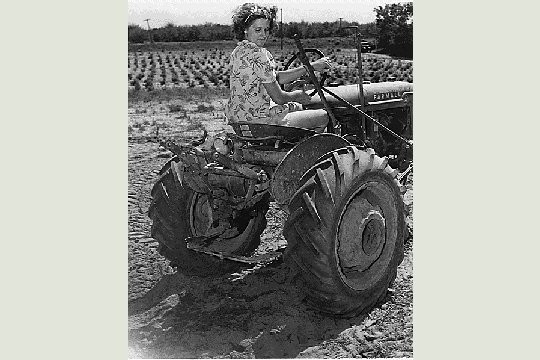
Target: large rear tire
(345, 231)
(178, 212)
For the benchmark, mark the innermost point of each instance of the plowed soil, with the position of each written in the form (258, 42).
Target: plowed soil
(255, 313)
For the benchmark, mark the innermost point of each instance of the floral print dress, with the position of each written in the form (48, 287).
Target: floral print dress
(252, 66)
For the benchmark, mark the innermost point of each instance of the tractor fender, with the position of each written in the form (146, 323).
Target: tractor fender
(298, 160)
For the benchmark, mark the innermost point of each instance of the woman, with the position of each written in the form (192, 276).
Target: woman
(254, 82)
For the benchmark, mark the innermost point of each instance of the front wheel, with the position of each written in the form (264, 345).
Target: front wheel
(345, 231)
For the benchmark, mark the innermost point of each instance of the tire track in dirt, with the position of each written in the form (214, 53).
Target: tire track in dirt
(260, 315)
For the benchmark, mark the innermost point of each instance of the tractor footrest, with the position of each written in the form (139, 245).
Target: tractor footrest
(198, 244)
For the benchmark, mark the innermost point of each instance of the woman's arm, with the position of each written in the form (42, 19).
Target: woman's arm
(282, 97)
(289, 75)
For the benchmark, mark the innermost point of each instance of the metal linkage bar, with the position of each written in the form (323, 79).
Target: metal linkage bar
(303, 57)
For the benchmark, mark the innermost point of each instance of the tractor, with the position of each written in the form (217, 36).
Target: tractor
(342, 191)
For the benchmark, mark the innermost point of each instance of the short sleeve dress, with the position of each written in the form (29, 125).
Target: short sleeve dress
(251, 66)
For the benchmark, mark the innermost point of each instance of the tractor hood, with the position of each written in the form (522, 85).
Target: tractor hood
(374, 93)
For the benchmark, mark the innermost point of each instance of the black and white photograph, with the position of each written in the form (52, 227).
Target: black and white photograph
(270, 179)
(266, 153)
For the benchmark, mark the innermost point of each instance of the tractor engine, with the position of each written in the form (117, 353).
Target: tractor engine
(390, 103)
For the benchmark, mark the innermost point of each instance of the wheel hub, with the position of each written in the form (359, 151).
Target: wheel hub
(366, 234)
(373, 233)
(201, 218)
(213, 221)
(362, 236)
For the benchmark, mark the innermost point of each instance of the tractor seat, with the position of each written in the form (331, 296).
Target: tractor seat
(261, 132)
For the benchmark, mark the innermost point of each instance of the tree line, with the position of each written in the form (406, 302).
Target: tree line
(392, 30)
(213, 32)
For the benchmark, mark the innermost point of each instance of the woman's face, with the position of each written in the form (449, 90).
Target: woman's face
(258, 31)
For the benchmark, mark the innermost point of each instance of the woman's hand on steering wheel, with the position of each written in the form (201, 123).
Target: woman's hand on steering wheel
(321, 64)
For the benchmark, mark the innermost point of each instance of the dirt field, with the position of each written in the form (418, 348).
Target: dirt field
(255, 313)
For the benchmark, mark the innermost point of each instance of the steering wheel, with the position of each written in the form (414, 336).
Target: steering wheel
(294, 61)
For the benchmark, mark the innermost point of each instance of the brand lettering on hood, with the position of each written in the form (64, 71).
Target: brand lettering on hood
(386, 95)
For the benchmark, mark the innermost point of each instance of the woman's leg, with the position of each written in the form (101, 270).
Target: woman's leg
(316, 120)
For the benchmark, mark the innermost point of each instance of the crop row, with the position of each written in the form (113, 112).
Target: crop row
(209, 68)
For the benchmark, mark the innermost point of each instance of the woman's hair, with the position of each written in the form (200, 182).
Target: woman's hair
(245, 14)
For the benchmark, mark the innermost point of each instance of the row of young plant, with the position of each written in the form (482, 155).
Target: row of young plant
(210, 68)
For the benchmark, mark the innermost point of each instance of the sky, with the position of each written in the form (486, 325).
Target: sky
(190, 12)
